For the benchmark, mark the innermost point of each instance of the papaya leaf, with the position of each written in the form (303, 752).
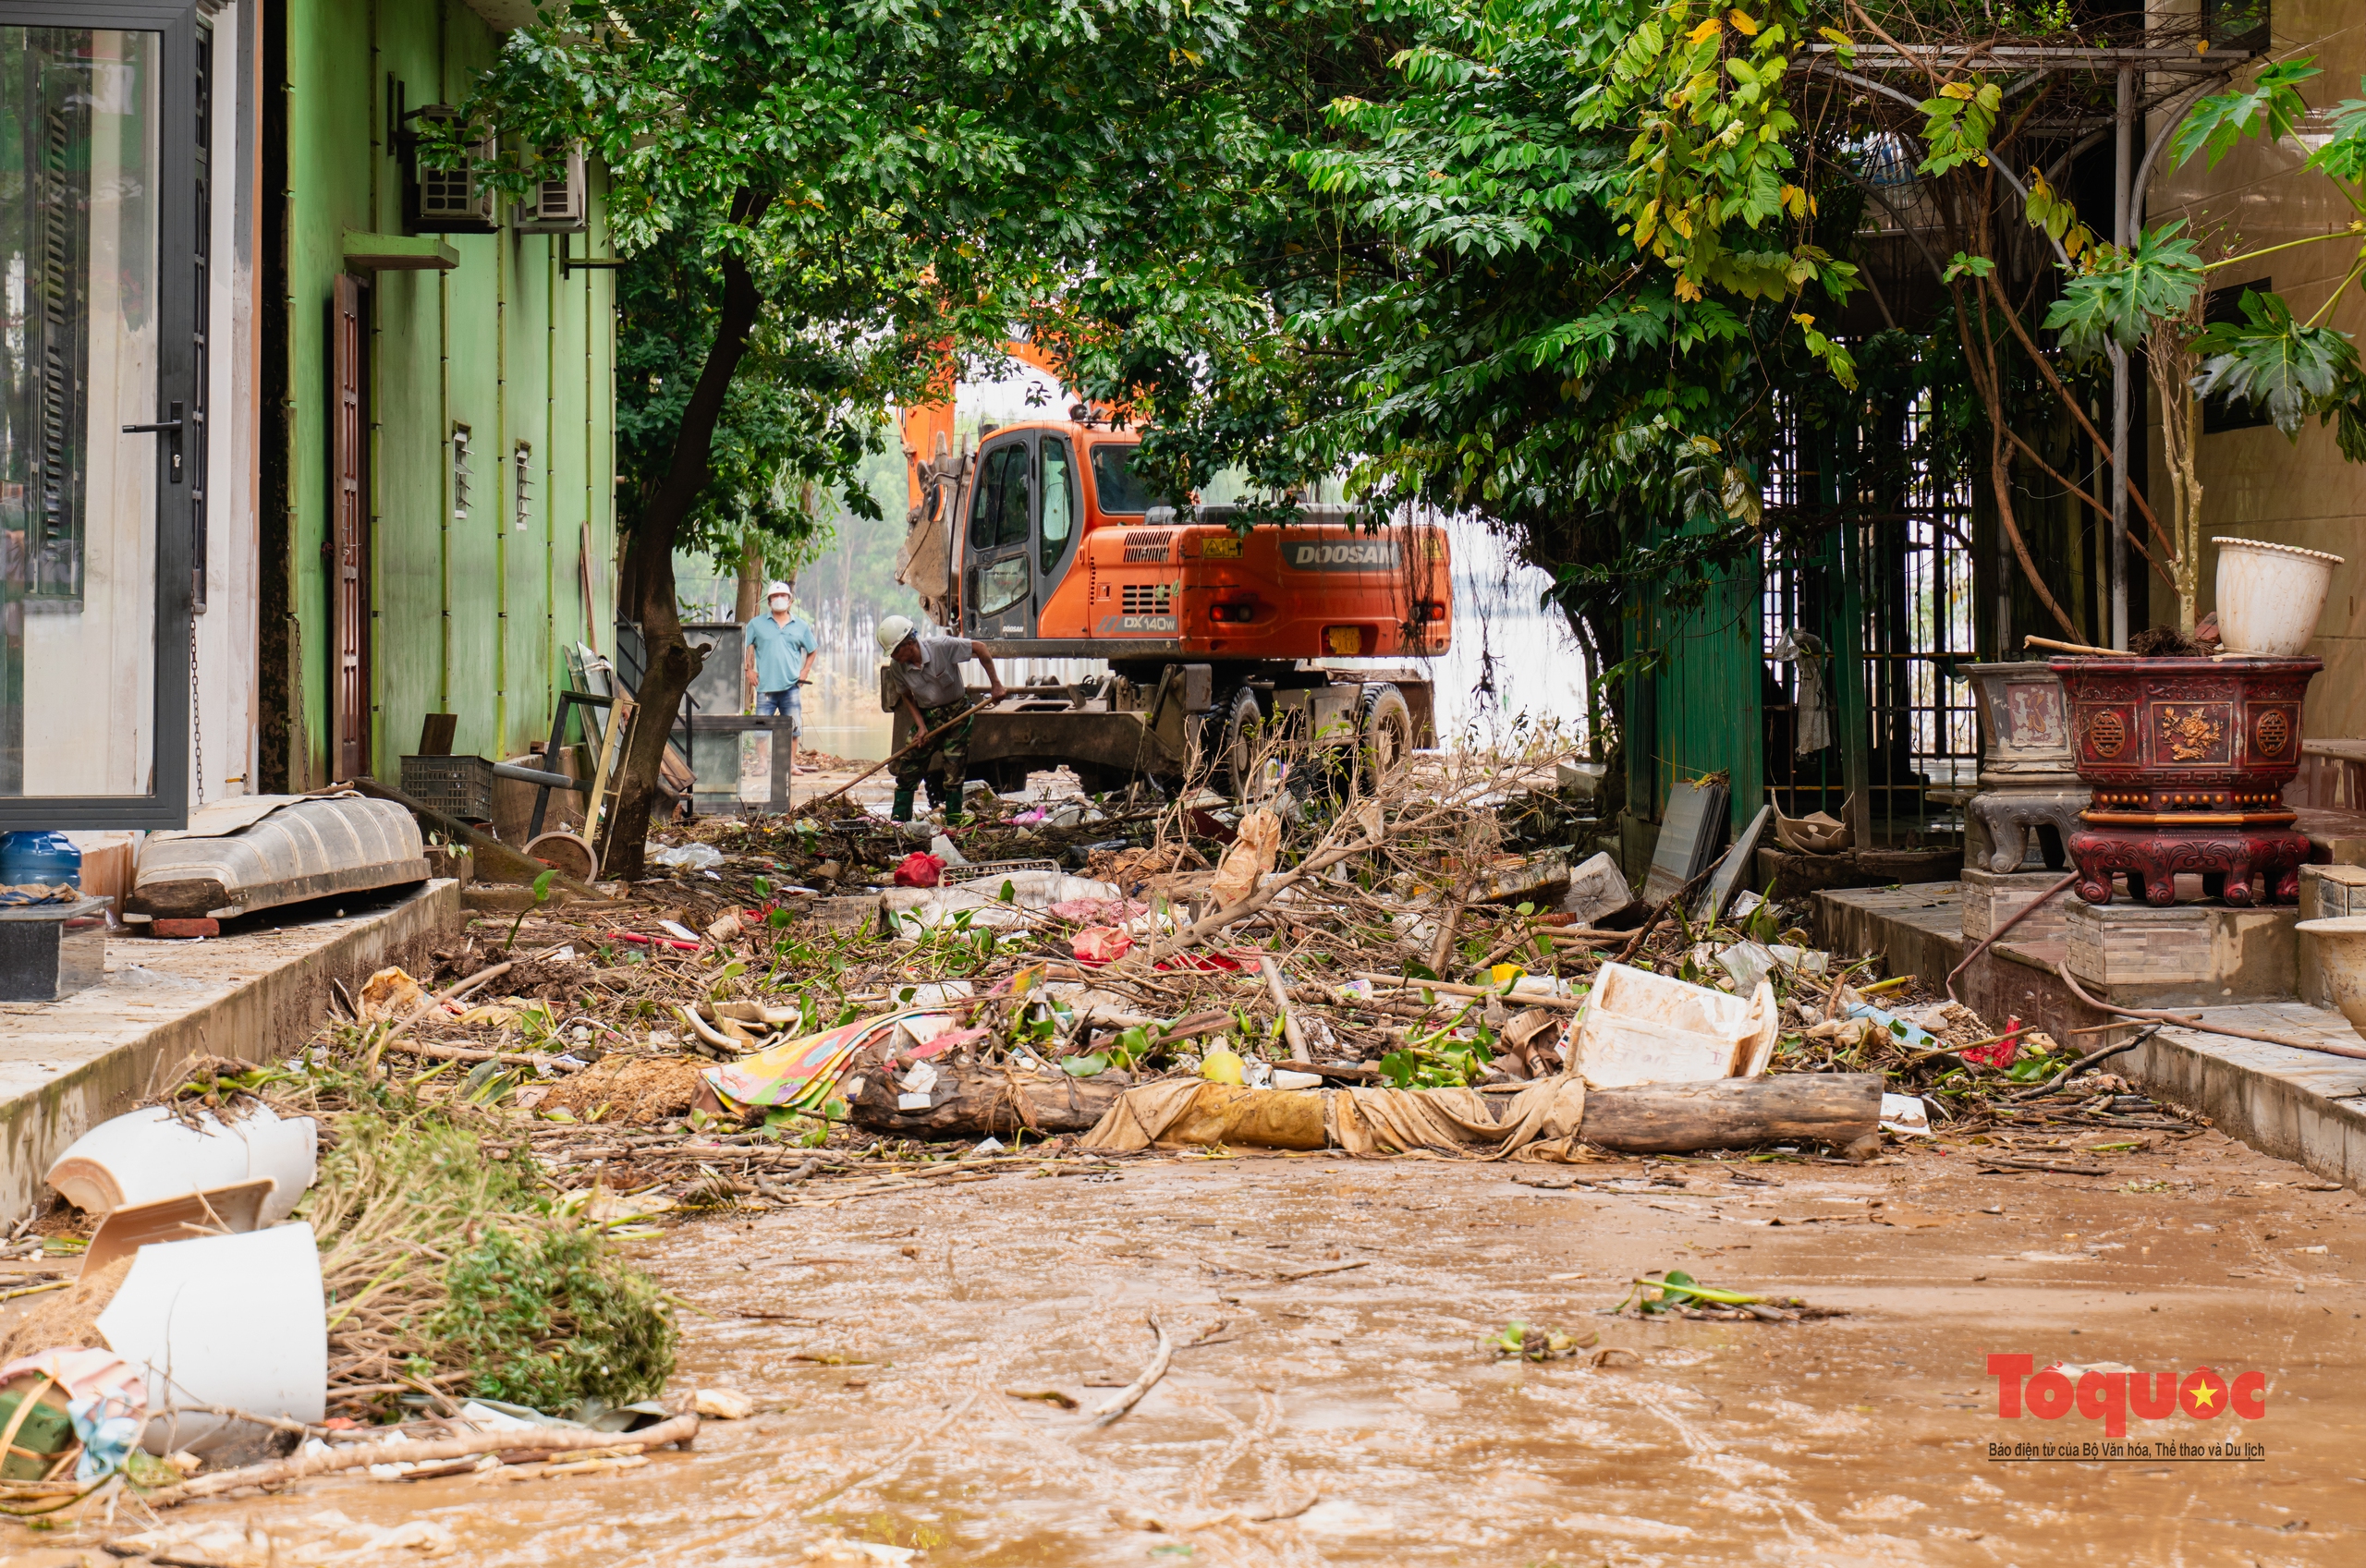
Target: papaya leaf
(2344, 156)
(2127, 291)
(2270, 360)
(2271, 103)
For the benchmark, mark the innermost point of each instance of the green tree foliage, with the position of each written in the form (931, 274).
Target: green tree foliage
(806, 408)
(868, 184)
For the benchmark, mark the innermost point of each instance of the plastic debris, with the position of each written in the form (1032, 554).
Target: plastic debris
(724, 1404)
(687, 856)
(1255, 844)
(1906, 1113)
(389, 993)
(1101, 945)
(1641, 1028)
(920, 869)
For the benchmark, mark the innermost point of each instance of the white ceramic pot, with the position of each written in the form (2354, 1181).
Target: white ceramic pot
(145, 1155)
(2270, 596)
(2341, 959)
(234, 1322)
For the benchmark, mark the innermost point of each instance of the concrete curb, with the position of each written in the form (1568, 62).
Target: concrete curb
(2291, 1104)
(66, 1066)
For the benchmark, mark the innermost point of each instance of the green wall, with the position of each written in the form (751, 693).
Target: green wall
(471, 616)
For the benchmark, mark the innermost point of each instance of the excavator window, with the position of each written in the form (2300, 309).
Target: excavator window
(1060, 502)
(999, 514)
(1114, 480)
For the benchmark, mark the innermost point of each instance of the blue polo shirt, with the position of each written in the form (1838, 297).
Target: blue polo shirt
(780, 649)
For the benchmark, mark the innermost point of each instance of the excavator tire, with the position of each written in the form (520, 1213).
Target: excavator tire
(1244, 745)
(1383, 736)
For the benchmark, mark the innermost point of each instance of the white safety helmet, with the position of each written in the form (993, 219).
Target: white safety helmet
(892, 633)
(778, 590)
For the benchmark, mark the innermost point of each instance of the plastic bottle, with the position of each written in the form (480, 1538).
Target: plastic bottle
(49, 858)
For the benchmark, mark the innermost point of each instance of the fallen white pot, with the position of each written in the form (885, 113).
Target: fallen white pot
(230, 1321)
(147, 1154)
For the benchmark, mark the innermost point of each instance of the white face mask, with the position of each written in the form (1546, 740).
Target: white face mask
(780, 601)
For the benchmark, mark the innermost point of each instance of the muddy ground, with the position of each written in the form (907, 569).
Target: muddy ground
(882, 1337)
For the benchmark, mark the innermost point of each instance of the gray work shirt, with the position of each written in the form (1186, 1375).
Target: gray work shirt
(935, 681)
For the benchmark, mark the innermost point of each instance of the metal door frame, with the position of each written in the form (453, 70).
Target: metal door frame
(176, 22)
(345, 550)
(974, 564)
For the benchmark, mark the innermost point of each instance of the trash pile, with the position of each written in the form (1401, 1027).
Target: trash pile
(403, 1247)
(305, 1267)
(797, 1011)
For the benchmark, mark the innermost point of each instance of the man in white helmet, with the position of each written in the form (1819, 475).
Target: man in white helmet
(781, 650)
(925, 676)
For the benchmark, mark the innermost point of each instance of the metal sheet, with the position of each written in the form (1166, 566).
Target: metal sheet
(304, 848)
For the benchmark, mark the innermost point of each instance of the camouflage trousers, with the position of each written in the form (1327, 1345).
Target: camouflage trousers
(949, 754)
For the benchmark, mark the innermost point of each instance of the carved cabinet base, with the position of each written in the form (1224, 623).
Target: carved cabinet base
(2241, 867)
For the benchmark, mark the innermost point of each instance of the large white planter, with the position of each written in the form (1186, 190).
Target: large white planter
(228, 1322)
(2270, 596)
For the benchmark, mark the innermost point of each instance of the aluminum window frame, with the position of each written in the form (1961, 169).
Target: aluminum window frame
(176, 22)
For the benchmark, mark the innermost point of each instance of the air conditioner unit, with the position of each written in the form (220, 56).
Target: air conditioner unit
(555, 204)
(454, 200)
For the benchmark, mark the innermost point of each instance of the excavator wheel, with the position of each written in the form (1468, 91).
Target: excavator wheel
(1383, 736)
(1244, 748)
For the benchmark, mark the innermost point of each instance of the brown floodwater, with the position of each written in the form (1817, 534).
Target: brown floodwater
(1351, 1415)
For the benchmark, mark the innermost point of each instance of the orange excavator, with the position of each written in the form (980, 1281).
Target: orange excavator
(1042, 542)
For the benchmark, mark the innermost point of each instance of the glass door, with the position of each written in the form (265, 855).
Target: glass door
(99, 417)
(1000, 601)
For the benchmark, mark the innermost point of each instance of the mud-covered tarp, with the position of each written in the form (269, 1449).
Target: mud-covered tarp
(1542, 1122)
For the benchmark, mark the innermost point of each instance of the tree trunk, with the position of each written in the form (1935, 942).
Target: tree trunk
(672, 665)
(1734, 1112)
(751, 578)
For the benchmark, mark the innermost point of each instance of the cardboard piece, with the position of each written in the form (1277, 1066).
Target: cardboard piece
(224, 1210)
(1641, 1028)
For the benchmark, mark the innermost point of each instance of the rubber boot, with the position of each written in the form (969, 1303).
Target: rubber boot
(902, 810)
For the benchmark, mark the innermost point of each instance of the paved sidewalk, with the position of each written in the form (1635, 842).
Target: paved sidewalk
(256, 994)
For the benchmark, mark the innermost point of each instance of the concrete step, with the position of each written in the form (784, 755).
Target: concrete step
(2294, 1105)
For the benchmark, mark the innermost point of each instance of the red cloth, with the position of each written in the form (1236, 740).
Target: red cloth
(920, 869)
(1101, 945)
(2000, 1054)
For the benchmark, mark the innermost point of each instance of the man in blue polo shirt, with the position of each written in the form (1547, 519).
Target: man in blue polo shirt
(781, 650)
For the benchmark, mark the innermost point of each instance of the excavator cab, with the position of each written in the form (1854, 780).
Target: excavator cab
(1044, 544)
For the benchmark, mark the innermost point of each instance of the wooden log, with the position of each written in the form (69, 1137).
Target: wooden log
(1734, 1112)
(974, 1102)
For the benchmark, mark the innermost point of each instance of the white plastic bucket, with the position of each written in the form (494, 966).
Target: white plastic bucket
(2270, 596)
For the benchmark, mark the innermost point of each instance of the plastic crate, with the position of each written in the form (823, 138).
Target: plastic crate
(457, 786)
